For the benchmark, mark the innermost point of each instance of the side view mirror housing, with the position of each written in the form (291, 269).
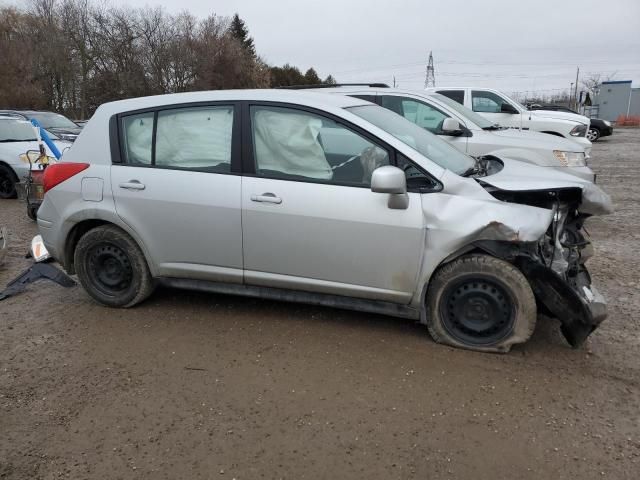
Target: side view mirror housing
(391, 180)
(507, 108)
(451, 126)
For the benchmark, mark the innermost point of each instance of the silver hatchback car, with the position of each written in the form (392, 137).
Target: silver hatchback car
(320, 199)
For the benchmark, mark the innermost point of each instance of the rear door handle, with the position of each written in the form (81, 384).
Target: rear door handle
(132, 185)
(266, 198)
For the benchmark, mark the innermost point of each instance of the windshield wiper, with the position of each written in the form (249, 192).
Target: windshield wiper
(6, 140)
(495, 126)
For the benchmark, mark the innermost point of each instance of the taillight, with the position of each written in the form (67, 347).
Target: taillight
(59, 172)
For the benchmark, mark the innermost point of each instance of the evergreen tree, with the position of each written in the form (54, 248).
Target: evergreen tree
(239, 30)
(311, 77)
(330, 80)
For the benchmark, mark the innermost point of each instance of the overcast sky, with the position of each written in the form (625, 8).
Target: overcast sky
(510, 45)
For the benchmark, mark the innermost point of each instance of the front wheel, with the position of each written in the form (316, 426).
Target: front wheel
(112, 268)
(593, 134)
(480, 303)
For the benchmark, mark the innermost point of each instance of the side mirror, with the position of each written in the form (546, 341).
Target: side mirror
(508, 108)
(391, 180)
(450, 126)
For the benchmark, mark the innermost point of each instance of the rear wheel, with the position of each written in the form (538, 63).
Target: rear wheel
(481, 303)
(593, 134)
(112, 268)
(7, 182)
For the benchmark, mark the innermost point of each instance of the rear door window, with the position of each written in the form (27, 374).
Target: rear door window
(194, 138)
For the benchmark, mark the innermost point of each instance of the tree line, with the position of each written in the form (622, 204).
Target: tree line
(71, 56)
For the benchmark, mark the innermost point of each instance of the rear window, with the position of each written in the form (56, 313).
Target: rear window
(456, 95)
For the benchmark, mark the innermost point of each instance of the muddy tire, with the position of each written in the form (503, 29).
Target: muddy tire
(480, 303)
(112, 268)
(8, 181)
(32, 212)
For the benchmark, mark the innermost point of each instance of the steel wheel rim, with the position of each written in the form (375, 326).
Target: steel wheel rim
(109, 268)
(477, 311)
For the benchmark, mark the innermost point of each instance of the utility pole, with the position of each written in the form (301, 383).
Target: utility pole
(570, 95)
(430, 80)
(575, 96)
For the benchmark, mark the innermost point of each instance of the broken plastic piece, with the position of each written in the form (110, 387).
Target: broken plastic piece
(34, 273)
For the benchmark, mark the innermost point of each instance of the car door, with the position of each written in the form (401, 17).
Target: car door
(310, 220)
(176, 187)
(489, 105)
(425, 115)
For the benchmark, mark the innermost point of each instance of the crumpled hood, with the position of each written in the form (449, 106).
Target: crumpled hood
(559, 115)
(519, 177)
(537, 140)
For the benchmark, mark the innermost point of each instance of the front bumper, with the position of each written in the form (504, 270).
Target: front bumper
(606, 131)
(580, 310)
(584, 173)
(584, 143)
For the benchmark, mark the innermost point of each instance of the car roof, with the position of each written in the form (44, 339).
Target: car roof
(311, 99)
(13, 117)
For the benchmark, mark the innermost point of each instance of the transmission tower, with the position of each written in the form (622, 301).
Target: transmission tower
(430, 80)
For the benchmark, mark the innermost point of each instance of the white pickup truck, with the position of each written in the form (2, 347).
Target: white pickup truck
(502, 110)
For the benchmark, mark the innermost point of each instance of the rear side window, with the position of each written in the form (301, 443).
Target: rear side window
(197, 138)
(456, 95)
(137, 134)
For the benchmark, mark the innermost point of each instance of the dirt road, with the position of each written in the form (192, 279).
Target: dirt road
(201, 386)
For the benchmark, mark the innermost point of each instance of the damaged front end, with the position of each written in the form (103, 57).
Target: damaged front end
(555, 264)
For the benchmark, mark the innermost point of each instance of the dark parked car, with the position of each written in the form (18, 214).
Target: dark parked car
(55, 123)
(598, 128)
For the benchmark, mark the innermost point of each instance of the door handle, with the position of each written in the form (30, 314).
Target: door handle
(266, 198)
(132, 185)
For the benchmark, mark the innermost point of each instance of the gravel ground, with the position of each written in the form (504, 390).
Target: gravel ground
(202, 386)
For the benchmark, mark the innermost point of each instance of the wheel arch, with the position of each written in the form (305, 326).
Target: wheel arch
(83, 226)
(502, 250)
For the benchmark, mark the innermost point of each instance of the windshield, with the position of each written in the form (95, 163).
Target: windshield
(516, 103)
(16, 131)
(465, 112)
(53, 120)
(426, 143)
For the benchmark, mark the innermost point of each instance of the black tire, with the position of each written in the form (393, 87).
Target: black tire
(593, 134)
(32, 212)
(8, 181)
(480, 303)
(112, 268)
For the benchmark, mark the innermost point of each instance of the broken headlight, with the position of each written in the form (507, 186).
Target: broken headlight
(570, 159)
